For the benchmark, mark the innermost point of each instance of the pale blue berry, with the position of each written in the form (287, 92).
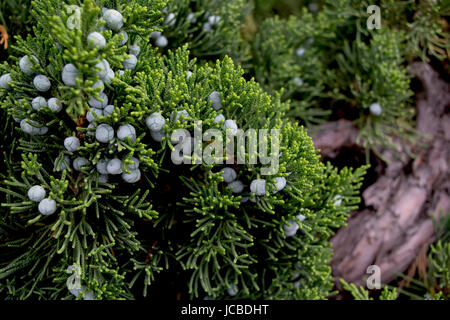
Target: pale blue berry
(132, 177)
(298, 81)
(161, 42)
(71, 144)
(157, 135)
(104, 133)
(101, 166)
(134, 165)
(258, 187)
(156, 34)
(41, 83)
(38, 103)
(170, 19)
(114, 166)
(109, 76)
(155, 121)
(236, 186)
(54, 104)
(26, 64)
(36, 193)
(338, 200)
(219, 118)
(130, 63)
(290, 229)
(300, 52)
(47, 206)
(103, 68)
(125, 37)
(233, 290)
(99, 84)
(99, 103)
(135, 50)
(229, 174)
(214, 97)
(5, 80)
(182, 113)
(280, 183)
(93, 114)
(43, 130)
(91, 126)
(96, 39)
(109, 110)
(30, 126)
(375, 109)
(126, 131)
(207, 27)
(80, 162)
(191, 17)
(230, 125)
(114, 19)
(70, 74)
(213, 20)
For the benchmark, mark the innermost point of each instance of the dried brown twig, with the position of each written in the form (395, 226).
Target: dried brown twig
(3, 37)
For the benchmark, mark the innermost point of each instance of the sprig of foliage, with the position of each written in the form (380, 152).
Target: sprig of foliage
(210, 29)
(362, 294)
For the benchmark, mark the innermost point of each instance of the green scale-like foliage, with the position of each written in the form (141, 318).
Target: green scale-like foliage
(346, 66)
(423, 23)
(210, 29)
(341, 69)
(373, 72)
(326, 63)
(336, 75)
(288, 55)
(178, 229)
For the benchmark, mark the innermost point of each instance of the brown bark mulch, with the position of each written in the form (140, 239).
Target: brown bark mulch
(397, 220)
